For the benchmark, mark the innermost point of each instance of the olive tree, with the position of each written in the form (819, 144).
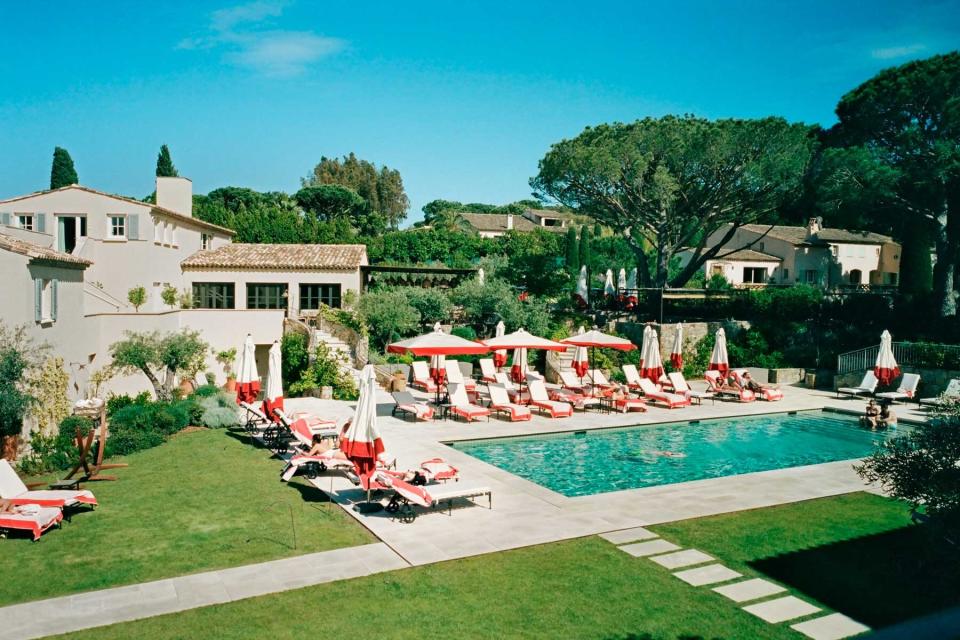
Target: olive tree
(154, 354)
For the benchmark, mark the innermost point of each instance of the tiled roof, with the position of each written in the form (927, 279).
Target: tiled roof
(549, 213)
(280, 256)
(798, 235)
(749, 255)
(153, 208)
(37, 252)
(497, 222)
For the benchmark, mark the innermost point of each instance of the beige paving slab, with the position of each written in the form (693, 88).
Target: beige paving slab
(652, 547)
(710, 574)
(747, 590)
(781, 609)
(628, 535)
(680, 559)
(835, 626)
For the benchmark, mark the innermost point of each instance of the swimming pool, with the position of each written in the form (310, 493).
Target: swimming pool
(602, 460)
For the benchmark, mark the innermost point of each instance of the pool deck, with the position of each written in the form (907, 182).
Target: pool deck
(525, 513)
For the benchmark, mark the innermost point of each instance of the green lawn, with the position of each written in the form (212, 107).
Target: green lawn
(204, 500)
(582, 588)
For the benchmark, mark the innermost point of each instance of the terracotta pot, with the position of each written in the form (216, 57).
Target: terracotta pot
(231, 384)
(186, 388)
(11, 445)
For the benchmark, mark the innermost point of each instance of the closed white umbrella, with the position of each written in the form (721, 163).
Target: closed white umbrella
(632, 289)
(644, 343)
(518, 368)
(608, 288)
(886, 370)
(583, 287)
(581, 362)
(718, 359)
(273, 397)
(248, 382)
(362, 443)
(480, 276)
(622, 281)
(652, 364)
(499, 355)
(676, 353)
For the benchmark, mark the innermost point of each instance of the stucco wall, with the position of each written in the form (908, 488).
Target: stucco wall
(733, 269)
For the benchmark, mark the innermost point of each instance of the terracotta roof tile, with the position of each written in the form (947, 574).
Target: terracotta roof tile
(37, 252)
(497, 222)
(280, 256)
(749, 255)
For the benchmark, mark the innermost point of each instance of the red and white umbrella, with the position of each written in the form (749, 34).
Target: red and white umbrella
(248, 382)
(437, 343)
(273, 397)
(499, 355)
(362, 443)
(622, 281)
(632, 289)
(886, 368)
(593, 339)
(518, 368)
(718, 359)
(583, 287)
(521, 340)
(644, 344)
(608, 288)
(581, 363)
(676, 353)
(652, 365)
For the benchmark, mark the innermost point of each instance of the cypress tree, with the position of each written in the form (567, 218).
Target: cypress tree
(585, 247)
(62, 173)
(573, 251)
(165, 168)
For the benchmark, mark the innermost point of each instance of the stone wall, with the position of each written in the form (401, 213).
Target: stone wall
(693, 333)
(932, 381)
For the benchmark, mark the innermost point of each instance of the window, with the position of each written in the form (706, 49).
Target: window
(266, 296)
(213, 295)
(835, 250)
(754, 275)
(312, 295)
(855, 276)
(26, 221)
(785, 274)
(45, 300)
(717, 270)
(811, 276)
(118, 227)
(204, 241)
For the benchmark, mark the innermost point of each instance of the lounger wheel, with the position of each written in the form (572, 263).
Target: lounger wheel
(393, 506)
(313, 469)
(407, 514)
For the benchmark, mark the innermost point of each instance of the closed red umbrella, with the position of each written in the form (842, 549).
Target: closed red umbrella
(581, 363)
(248, 382)
(362, 443)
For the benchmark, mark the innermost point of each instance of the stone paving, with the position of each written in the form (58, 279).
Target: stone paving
(835, 626)
(133, 602)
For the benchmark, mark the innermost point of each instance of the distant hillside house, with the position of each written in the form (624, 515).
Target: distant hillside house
(759, 254)
(494, 225)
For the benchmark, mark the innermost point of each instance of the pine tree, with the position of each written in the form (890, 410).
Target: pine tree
(62, 173)
(165, 168)
(573, 251)
(585, 247)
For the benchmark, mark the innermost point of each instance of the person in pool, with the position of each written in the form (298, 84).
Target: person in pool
(669, 454)
(887, 418)
(870, 415)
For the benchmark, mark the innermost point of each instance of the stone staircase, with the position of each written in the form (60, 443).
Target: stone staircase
(338, 348)
(558, 361)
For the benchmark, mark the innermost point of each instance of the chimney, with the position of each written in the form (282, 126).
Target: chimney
(509, 221)
(814, 225)
(175, 194)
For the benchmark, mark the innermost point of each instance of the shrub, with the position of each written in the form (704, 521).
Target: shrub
(326, 371)
(718, 282)
(295, 357)
(117, 402)
(467, 333)
(206, 391)
(58, 450)
(125, 440)
(386, 313)
(217, 411)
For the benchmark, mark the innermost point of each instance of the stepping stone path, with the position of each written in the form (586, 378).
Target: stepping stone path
(781, 609)
(749, 590)
(711, 574)
(641, 543)
(832, 627)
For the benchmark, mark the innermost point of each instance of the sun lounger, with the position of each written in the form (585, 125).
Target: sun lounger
(570, 380)
(408, 405)
(950, 394)
(652, 393)
(866, 387)
(681, 387)
(254, 418)
(31, 518)
(421, 377)
(488, 372)
(542, 401)
(906, 391)
(300, 429)
(629, 403)
(439, 470)
(455, 376)
(500, 402)
(461, 406)
(407, 495)
(599, 381)
(512, 390)
(766, 392)
(723, 390)
(579, 401)
(632, 375)
(13, 489)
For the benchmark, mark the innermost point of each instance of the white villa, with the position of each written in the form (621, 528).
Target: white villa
(69, 256)
(760, 254)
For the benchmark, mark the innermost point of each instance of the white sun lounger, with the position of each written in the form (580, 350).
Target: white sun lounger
(681, 387)
(906, 391)
(455, 376)
(500, 402)
(13, 489)
(421, 377)
(31, 518)
(461, 406)
(542, 401)
(406, 495)
(671, 400)
(867, 386)
(255, 418)
(951, 393)
(488, 372)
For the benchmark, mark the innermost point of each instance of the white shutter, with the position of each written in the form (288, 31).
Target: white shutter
(37, 300)
(53, 299)
(5, 218)
(133, 227)
(40, 222)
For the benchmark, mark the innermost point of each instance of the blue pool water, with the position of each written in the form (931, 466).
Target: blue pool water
(614, 459)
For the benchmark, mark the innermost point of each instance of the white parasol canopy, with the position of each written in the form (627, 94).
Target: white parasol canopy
(437, 343)
(608, 288)
(652, 365)
(248, 382)
(718, 359)
(886, 369)
(676, 353)
(273, 397)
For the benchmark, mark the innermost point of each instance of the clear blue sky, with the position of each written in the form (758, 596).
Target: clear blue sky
(462, 97)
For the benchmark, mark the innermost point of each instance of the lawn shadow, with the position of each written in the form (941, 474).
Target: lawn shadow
(880, 579)
(246, 438)
(308, 492)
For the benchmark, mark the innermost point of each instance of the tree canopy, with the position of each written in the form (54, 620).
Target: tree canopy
(165, 168)
(381, 188)
(62, 172)
(669, 183)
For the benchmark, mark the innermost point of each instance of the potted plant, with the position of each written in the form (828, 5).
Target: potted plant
(227, 358)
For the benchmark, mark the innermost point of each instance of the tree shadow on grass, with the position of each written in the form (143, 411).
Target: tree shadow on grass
(308, 492)
(246, 438)
(880, 580)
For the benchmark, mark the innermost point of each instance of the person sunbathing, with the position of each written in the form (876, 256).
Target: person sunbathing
(755, 386)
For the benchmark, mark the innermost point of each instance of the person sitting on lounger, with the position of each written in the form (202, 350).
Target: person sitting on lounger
(870, 415)
(753, 385)
(887, 418)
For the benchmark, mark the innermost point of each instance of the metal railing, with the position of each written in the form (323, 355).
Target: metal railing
(905, 353)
